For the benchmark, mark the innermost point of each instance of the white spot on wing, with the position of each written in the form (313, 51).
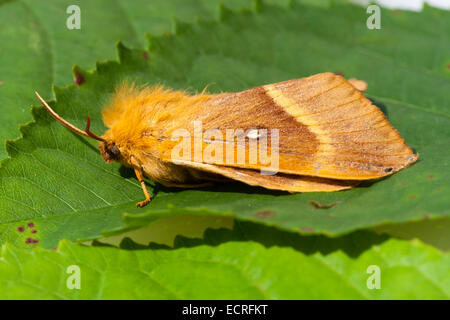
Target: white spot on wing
(253, 134)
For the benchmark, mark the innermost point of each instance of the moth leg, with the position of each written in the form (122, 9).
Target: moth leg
(140, 177)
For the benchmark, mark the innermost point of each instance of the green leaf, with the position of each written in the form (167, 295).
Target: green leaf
(352, 244)
(38, 50)
(212, 230)
(408, 270)
(59, 182)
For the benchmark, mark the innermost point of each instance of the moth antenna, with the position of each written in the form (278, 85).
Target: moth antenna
(87, 133)
(91, 134)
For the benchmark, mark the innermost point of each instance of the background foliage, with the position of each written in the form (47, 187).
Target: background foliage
(55, 185)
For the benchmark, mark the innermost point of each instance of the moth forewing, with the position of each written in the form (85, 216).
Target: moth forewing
(327, 128)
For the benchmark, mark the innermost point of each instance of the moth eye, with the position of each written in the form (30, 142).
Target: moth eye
(115, 151)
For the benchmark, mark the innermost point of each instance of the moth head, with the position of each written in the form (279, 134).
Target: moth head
(108, 149)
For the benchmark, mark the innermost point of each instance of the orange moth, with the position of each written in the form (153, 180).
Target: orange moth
(313, 134)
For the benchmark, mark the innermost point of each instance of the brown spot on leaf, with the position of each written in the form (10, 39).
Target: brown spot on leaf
(264, 214)
(307, 229)
(1, 82)
(145, 55)
(412, 197)
(448, 67)
(34, 240)
(30, 224)
(339, 73)
(430, 176)
(317, 205)
(33, 231)
(20, 228)
(426, 216)
(79, 78)
(28, 240)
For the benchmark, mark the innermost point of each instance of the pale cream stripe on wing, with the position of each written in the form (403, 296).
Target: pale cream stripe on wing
(294, 109)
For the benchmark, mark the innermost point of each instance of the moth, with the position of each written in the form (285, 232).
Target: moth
(329, 136)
